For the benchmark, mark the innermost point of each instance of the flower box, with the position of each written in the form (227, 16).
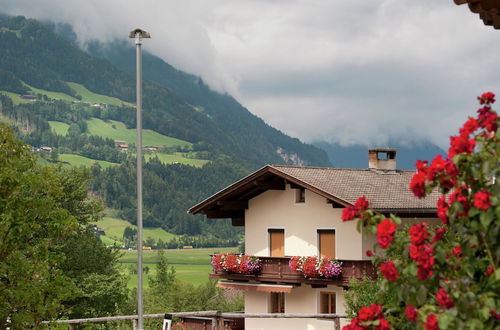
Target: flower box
(236, 263)
(315, 267)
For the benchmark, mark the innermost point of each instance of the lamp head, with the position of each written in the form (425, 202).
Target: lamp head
(139, 33)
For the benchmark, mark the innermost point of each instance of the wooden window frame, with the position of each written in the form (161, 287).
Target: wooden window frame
(326, 230)
(300, 195)
(280, 300)
(329, 307)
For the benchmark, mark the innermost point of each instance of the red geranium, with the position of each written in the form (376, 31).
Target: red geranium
(361, 204)
(482, 200)
(369, 253)
(417, 184)
(411, 313)
(431, 323)
(489, 271)
(442, 209)
(469, 127)
(383, 325)
(439, 234)
(487, 98)
(458, 196)
(444, 299)
(349, 213)
(418, 233)
(370, 313)
(457, 251)
(460, 144)
(385, 233)
(389, 270)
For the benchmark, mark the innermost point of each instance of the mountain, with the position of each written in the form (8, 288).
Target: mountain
(79, 103)
(356, 156)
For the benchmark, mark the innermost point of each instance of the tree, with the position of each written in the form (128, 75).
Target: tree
(446, 277)
(51, 263)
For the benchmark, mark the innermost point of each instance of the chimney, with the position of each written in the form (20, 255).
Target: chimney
(383, 159)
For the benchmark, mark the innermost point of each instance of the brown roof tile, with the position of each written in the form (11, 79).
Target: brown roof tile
(384, 190)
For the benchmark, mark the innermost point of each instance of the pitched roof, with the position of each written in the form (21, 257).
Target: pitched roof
(387, 191)
(488, 10)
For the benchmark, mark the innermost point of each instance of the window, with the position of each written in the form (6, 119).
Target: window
(300, 195)
(326, 243)
(327, 303)
(277, 302)
(276, 242)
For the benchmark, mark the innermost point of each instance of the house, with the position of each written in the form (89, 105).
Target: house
(296, 211)
(122, 145)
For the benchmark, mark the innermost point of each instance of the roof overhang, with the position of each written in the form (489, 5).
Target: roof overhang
(488, 10)
(245, 286)
(231, 201)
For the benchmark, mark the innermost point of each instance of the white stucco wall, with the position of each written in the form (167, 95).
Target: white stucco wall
(303, 299)
(277, 209)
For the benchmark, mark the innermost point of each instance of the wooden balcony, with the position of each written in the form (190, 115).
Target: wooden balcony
(275, 270)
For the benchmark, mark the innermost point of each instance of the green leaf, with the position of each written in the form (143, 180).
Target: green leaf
(421, 294)
(445, 320)
(485, 219)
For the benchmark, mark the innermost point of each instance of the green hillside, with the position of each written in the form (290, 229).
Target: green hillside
(114, 227)
(91, 97)
(116, 130)
(77, 160)
(58, 127)
(176, 158)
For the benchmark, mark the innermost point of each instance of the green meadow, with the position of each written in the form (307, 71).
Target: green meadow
(59, 127)
(77, 160)
(91, 97)
(191, 265)
(177, 157)
(117, 130)
(114, 228)
(16, 98)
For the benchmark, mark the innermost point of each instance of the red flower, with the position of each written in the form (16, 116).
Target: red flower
(361, 204)
(482, 200)
(423, 273)
(457, 196)
(488, 119)
(460, 144)
(349, 213)
(383, 325)
(469, 127)
(494, 314)
(437, 166)
(431, 323)
(457, 251)
(388, 269)
(369, 253)
(385, 233)
(370, 313)
(487, 98)
(489, 271)
(444, 299)
(417, 184)
(421, 166)
(418, 233)
(442, 209)
(439, 234)
(354, 325)
(411, 313)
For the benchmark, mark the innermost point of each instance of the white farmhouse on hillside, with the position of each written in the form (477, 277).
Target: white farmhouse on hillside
(296, 211)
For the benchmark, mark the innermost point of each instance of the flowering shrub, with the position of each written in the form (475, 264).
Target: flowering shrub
(314, 267)
(236, 263)
(446, 276)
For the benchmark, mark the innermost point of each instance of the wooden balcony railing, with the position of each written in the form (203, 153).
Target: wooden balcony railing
(276, 270)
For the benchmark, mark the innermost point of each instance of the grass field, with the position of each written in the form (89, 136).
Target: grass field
(117, 130)
(52, 95)
(191, 265)
(91, 97)
(59, 127)
(114, 227)
(16, 98)
(77, 160)
(177, 157)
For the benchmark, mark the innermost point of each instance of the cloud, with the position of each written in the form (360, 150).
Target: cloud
(340, 71)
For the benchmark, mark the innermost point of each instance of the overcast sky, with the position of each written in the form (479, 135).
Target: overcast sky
(349, 72)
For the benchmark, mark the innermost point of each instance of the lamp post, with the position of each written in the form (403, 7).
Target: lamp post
(138, 34)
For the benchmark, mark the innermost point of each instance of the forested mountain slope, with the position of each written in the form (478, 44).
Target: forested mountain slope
(211, 127)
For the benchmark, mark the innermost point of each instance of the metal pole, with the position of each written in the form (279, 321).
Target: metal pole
(138, 147)
(138, 34)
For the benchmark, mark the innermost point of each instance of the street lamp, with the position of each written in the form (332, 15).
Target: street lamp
(138, 34)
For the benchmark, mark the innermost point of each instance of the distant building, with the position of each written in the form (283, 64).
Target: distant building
(296, 211)
(46, 149)
(122, 145)
(28, 97)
